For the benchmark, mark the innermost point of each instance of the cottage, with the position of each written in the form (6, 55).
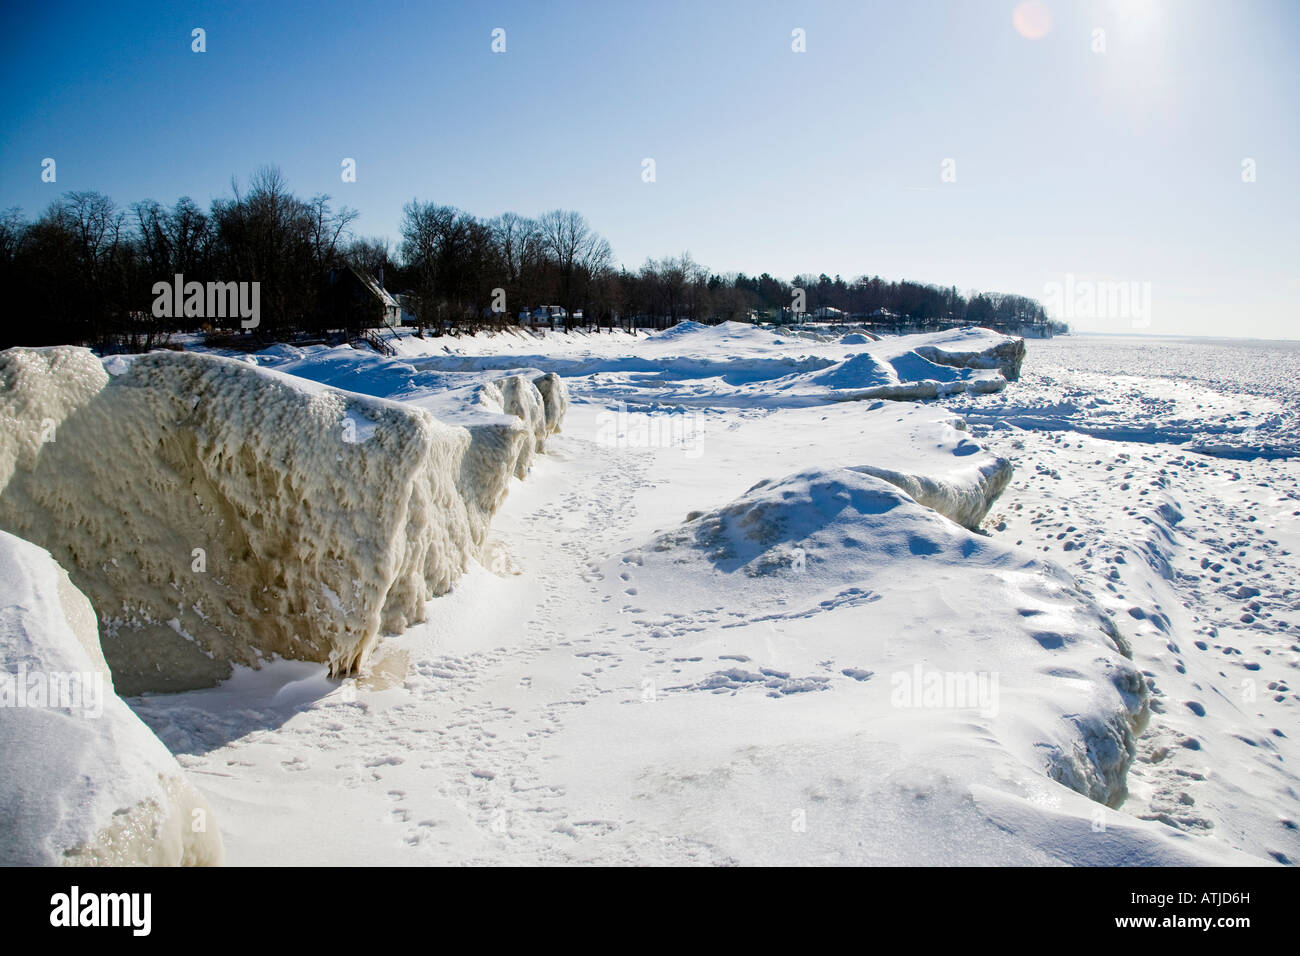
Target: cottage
(359, 300)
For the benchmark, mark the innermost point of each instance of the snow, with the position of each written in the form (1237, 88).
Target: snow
(929, 455)
(209, 507)
(1230, 400)
(731, 364)
(99, 787)
(1185, 526)
(738, 614)
(821, 544)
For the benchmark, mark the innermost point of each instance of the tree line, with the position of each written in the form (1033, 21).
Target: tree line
(84, 273)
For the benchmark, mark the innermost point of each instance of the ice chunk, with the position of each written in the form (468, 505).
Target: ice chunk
(231, 499)
(84, 781)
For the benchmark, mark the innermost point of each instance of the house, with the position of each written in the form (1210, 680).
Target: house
(392, 310)
(406, 303)
(544, 316)
(358, 300)
(883, 316)
(827, 314)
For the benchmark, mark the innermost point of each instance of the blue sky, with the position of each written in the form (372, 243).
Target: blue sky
(1115, 166)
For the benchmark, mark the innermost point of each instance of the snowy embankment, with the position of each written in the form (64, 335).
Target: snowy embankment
(991, 662)
(216, 513)
(85, 782)
(944, 662)
(728, 365)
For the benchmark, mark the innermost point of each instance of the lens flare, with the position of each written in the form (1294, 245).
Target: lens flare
(1032, 19)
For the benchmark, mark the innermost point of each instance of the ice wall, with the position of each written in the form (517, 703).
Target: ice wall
(218, 513)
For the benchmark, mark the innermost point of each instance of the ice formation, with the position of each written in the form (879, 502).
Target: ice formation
(953, 474)
(731, 364)
(922, 449)
(84, 781)
(974, 348)
(931, 606)
(215, 512)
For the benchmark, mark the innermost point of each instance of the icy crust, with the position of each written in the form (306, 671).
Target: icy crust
(218, 513)
(964, 497)
(905, 603)
(555, 396)
(469, 398)
(974, 348)
(86, 783)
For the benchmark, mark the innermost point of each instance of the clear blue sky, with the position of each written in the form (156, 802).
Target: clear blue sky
(1117, 166)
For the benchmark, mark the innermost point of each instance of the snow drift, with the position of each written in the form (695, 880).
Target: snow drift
(976, 348)
(908, 376)
(925, 450)
(731, 364)
(217, 513)
(85, 781)
(989, 663)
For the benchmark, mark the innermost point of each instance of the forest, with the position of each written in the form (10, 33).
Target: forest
(84, 270)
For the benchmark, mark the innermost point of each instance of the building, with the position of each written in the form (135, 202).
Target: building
(358, 300)
(544, 316)
(827, 314)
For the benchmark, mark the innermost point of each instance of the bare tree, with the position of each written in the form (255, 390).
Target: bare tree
(568, 239)
(326, 228)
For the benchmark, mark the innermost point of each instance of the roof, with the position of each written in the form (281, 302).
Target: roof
(371, 283)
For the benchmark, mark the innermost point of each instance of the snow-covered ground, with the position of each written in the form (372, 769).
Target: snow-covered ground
(1193, 545)
(737, 613)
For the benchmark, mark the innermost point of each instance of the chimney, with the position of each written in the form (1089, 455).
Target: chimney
(381, 275)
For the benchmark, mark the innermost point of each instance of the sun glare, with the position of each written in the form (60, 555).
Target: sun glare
(1032, 19)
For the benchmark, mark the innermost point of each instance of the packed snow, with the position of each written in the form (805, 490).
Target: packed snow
(1044, 673)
